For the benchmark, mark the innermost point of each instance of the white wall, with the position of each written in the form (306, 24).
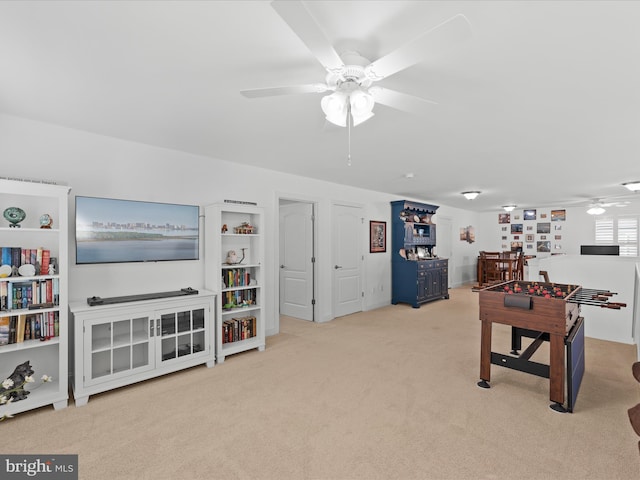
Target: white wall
(96, 165)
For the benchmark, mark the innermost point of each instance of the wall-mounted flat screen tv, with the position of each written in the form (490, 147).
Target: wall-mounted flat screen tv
(110, 230)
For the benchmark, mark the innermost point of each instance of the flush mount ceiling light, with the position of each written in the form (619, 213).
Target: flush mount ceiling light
(633, 186)
(470, 195)
(509, 208)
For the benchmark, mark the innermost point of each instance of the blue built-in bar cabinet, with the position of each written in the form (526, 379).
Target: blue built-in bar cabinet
(417, 274)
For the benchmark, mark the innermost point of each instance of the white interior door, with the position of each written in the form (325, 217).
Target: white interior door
(296, 260)
(347, 259)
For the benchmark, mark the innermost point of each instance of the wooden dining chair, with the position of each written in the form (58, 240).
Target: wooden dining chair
(519, 268)
(492, 266)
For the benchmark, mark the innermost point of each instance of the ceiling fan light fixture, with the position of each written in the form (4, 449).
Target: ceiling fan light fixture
(509, 208)
(334, 107)
(633, 186)
(596, 210)
(471, 194)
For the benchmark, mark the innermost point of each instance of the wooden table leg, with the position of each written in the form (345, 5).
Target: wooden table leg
(556, 369)
(485, 354)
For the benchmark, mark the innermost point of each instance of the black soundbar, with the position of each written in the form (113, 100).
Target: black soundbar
(93, 301)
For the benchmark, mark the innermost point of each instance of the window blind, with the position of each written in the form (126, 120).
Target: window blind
(628, 235)
(604, 231)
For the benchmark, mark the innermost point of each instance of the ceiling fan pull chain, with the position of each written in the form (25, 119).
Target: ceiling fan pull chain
(349, 134)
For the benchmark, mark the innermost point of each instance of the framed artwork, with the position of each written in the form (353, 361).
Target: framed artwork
(516, 228)
(544, 246)
(516, 246)
(504, 218)
(557, 227)
(558, 237)
(529, 227)
(543, 237)
(468, 234)
(529, 214)
(377, 236)
(558, 215)
(530, 237)
(543, 215)
(504, 229)
(544, 228)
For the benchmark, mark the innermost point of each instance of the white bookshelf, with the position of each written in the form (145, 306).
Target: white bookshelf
(239, 286)
(50, 356)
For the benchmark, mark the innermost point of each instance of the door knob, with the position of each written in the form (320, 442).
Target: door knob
(337, 266)
(281, 266)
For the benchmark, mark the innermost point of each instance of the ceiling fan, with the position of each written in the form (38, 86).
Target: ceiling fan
(351, 78)
(599, 206)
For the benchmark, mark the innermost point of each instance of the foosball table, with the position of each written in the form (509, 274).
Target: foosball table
(543, 312)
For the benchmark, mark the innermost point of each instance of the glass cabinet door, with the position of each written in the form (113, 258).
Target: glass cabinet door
(182, 333)
(117, 347)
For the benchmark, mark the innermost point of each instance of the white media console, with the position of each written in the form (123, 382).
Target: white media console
(117, 344)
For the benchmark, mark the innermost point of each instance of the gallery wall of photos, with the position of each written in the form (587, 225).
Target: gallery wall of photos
(532, 231)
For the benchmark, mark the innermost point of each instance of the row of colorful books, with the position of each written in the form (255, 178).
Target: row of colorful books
(35, 326)
(239, 298)
(29, 294)
(236, 277)
(238, 329)
(17, 256)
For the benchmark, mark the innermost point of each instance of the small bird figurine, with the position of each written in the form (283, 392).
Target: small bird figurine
(232, 257)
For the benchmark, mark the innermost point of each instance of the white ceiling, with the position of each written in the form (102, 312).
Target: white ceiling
(540, 108)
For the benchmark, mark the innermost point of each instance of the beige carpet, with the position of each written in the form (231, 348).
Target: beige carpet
(388, 394)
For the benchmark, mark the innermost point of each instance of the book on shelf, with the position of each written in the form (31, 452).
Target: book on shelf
(4, 330)
(20, 328)
(22, 319)
(238, 328)
(18, 256)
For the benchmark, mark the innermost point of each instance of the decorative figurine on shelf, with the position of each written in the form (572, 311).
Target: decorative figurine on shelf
(13, 387)
(244, 229)
(53, 265)
(14, 215)
(232, 257)
(46, 221)
(224, 228)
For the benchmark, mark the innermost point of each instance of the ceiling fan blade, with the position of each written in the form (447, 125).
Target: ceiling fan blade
(296, 15)
(291, 90)
(402, 101)
(439, 38)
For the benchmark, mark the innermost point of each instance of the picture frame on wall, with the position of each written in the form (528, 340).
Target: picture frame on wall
(544, 246)
(543, 228)
(530, 238)
(558, 215)
(516, 228)
(504, 218)
(529, 214)
(377, 236)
